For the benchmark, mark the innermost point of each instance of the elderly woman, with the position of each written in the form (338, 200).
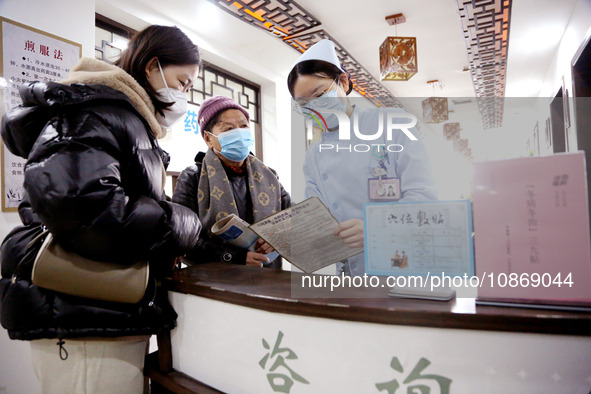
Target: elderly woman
(228, 179)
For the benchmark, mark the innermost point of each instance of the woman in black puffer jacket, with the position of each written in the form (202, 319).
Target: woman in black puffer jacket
(95, 178)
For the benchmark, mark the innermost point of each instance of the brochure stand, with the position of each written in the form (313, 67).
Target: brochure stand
(423, 293)
(421, 239)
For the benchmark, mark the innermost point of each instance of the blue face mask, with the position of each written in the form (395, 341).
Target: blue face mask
(236, 144)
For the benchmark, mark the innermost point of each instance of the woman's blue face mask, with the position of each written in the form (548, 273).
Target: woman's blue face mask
(236, 144)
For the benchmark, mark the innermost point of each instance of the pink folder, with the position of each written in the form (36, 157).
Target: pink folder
(531, 225)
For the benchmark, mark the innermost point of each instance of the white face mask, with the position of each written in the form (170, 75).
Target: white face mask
(329, 100)
(176, 111)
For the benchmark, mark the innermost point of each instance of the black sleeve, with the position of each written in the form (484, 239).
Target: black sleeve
(185, 191)
(75, 186)
(206, 250)
(285, 197)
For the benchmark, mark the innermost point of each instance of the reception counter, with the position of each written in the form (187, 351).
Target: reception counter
(240, 331)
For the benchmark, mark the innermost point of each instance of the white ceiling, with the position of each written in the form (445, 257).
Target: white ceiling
(535, 32)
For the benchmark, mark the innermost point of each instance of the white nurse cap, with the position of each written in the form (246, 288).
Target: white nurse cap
(322, 50)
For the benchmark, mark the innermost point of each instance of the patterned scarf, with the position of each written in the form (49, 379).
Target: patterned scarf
(215, 196)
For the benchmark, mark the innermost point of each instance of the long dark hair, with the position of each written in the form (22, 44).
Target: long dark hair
(167, 43)
(317, 68)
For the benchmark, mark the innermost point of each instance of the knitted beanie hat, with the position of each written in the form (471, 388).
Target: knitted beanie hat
(212, 106)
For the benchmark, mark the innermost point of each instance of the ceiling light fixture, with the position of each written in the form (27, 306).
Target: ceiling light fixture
(451, 131)
(435, 109)
(398, 55)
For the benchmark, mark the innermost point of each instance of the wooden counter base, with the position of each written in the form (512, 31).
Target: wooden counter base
(270, 290)
(229, 317)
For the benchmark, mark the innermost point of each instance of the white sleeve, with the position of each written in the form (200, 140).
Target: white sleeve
(413, 166)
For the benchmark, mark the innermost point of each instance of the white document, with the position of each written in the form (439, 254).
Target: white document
(303, 235)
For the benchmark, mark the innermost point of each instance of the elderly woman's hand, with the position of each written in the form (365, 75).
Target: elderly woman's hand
(263, 247)
(256, 259)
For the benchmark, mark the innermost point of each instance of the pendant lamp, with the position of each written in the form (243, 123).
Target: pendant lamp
(435, 108)
(451, 131)
(398, 55)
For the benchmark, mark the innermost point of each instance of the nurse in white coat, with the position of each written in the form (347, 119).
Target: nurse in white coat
(346, 170)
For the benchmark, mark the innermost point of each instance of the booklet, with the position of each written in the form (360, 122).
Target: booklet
(236, 231)
(531, 223)
(303, 235)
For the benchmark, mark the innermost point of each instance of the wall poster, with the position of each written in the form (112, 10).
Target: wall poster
(27, 54)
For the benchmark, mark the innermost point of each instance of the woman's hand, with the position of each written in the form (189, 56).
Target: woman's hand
(351, 232)
(256, 259)
(262, 247)
(176, 262)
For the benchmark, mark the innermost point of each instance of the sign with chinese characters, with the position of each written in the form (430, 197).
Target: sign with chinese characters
(191, 124)
(419, 238)
(266, 352)
(531, 226)
(280, 376)
(27, 55)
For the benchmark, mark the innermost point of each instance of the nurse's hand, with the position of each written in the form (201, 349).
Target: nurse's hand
(351, 232)
(256, 259)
